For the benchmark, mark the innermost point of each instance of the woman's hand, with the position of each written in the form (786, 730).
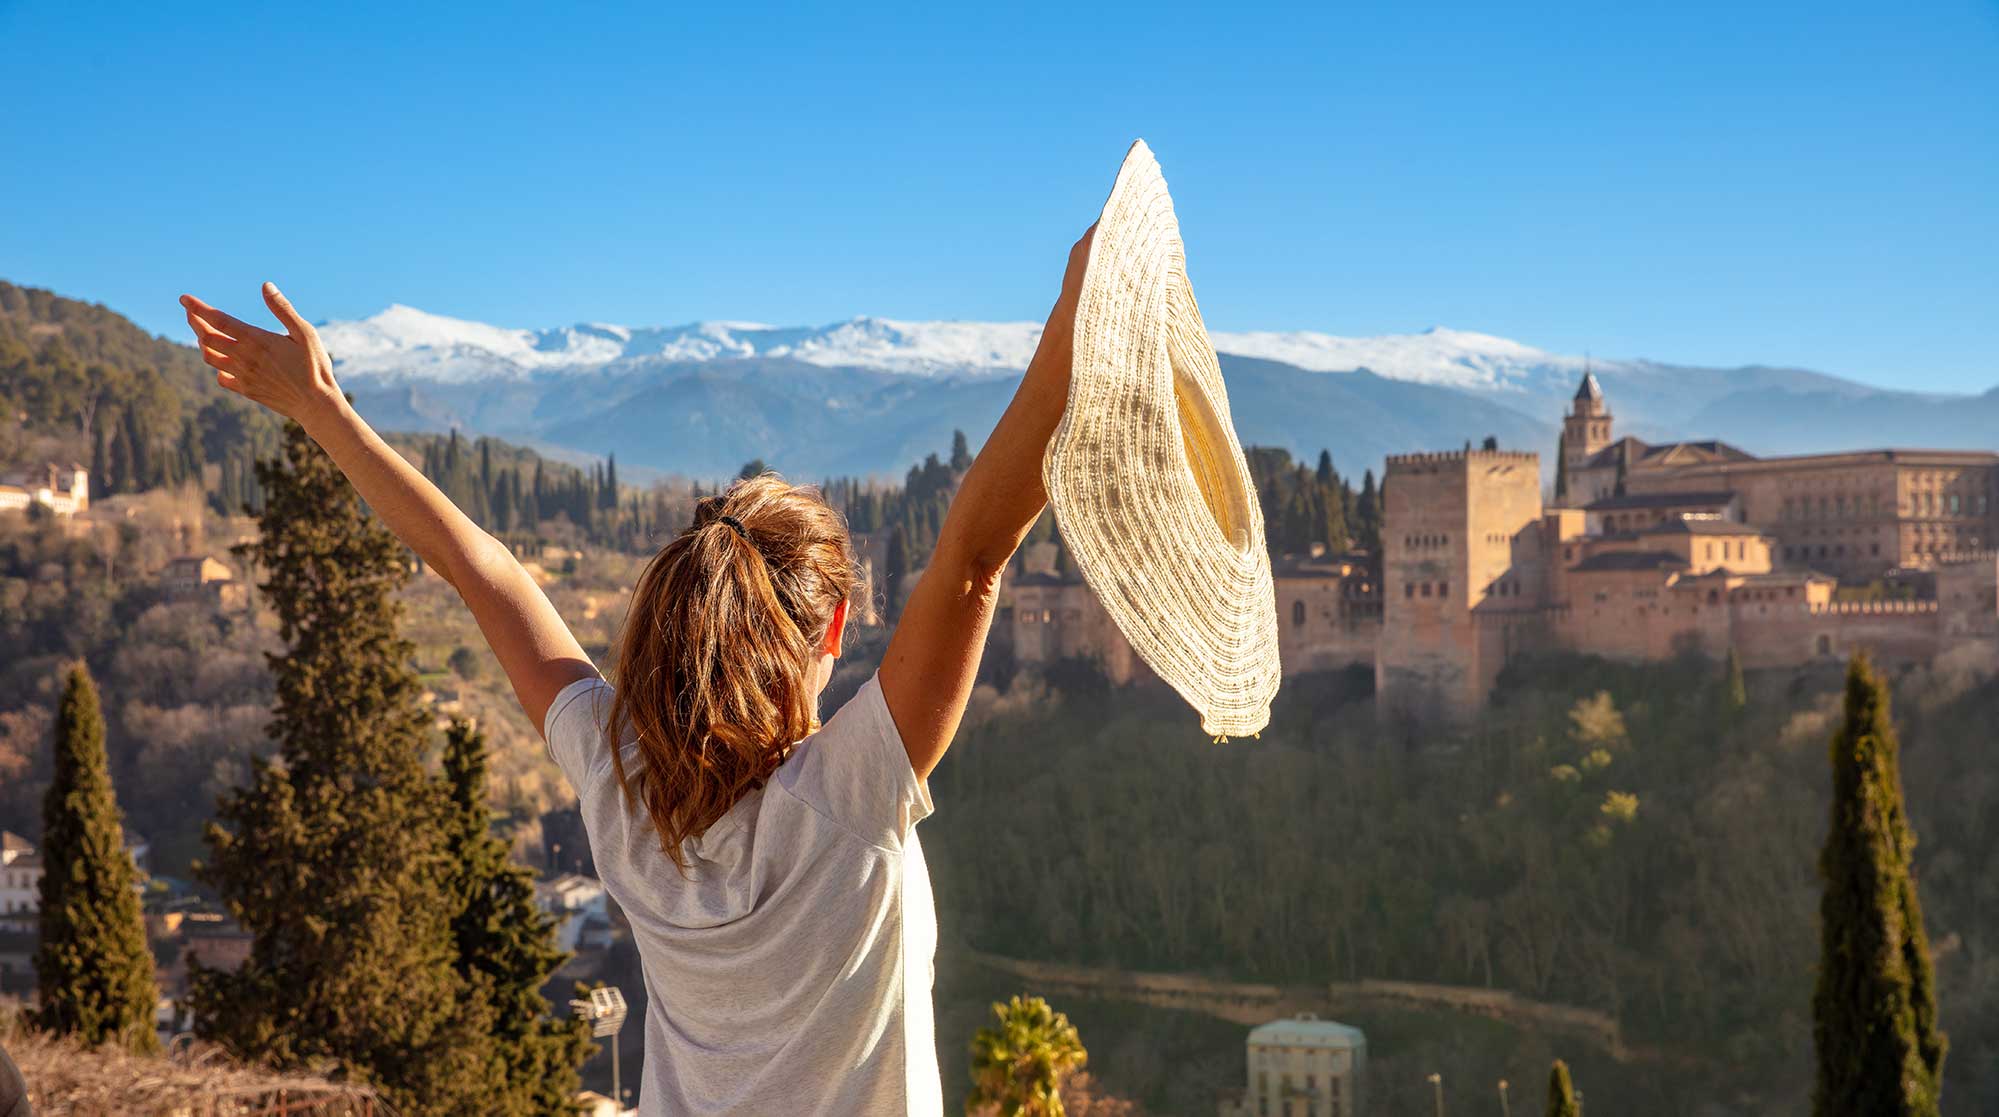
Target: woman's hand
(289, 373)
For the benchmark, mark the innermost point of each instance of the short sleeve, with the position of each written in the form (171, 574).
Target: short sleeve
(856, 772)
(574, 730)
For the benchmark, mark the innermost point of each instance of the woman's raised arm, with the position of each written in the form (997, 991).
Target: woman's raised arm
(933, 658)
(291, 374)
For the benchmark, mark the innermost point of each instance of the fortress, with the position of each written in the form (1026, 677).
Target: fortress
(1644, 552)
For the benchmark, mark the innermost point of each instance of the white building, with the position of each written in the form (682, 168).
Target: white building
(63, 492)
(1303, 1067)
(579, 903)
(21, 877)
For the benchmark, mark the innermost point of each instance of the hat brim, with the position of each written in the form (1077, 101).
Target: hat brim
(1150, 487)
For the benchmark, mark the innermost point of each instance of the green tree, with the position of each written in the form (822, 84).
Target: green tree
(1562, 467)
(1874, 1014)
(464, 662)
(1368, 515)
(1561, 1092)
(1018, 1065)
(1734, 692)
(895, 569)
(961, 452)
(335, 857)
(93, 966)
(506, 946)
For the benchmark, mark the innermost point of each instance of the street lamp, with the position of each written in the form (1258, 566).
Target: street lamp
(1437, 1082)
(1505, 1106)
(605, 1010)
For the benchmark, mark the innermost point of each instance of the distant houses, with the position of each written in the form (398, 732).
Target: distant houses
(1302, 1066)
(64, 492)
(579, 903)
(202, 578)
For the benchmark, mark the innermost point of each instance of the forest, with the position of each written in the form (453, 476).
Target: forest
(1616, 837)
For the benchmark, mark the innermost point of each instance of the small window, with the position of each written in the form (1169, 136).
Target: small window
(1426, 589)
(1408, 589)
(1297, 614)
(1443, 589)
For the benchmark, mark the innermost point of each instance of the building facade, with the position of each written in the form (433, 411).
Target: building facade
(64, 492)
(1645, 552)
(1303, 1066)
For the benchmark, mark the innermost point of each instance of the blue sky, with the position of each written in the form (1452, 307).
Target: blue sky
(1806, 184)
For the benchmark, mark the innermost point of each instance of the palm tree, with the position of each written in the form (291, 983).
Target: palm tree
(1018, 1066)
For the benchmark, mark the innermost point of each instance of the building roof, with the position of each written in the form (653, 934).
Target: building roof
(1637, 450)
(1628, 560)
(1698, 525)
(11, 842)
(1659, 500)
(1037, 578)
(1589, 389)
(1307, 1030)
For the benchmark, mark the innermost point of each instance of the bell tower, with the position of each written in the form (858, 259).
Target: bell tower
(1586, 428)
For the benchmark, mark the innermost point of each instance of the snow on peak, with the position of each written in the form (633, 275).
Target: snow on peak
(403, 342)
(1438, 355)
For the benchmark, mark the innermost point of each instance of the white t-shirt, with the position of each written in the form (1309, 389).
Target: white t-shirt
(790, 972)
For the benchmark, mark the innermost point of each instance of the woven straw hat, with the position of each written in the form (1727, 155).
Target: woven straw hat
(1148, 481)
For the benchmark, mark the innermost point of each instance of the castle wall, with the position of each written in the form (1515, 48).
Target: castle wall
(1460, 539)
(1317, 627)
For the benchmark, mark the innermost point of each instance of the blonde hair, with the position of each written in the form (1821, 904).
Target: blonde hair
(715, 664)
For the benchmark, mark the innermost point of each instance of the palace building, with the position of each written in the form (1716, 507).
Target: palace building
(1650, 551)
(1644, 552)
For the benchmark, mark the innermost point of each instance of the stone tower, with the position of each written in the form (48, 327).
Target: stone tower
(1463, 579)
(1586, 428)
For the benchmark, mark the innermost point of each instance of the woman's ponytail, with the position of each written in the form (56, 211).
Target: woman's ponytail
(716, 666)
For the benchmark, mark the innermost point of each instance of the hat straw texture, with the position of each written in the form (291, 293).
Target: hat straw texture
(1149, 484)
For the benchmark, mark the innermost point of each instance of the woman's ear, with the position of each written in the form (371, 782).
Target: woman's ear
(836, 631)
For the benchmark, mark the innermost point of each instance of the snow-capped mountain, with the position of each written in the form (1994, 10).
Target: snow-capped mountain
(873, 394)
(1438, 355)
(403, 343)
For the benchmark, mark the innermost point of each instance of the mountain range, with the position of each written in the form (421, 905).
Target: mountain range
(868, 396)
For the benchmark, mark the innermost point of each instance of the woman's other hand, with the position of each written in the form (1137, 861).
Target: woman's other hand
(289, 373)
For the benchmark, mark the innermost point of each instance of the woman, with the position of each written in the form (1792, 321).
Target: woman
(768, 865)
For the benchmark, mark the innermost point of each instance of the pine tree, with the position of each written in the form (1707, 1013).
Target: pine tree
(961, 452)
(1561, 1092)
(93, 966)
(1734, 692)
(506, 946)
(335, 857)
(611, 481)
(895, 567)
(1018, 1066)
(1874, 1012)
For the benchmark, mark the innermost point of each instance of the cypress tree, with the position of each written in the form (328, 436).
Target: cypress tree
(1874, 1014)
(1561, 1092)
(1367, 515)
(895, 566)
(93, 966)
(506, 946)
(961, 452)
(1562, 467)
(1734, 692)
(335, 857)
